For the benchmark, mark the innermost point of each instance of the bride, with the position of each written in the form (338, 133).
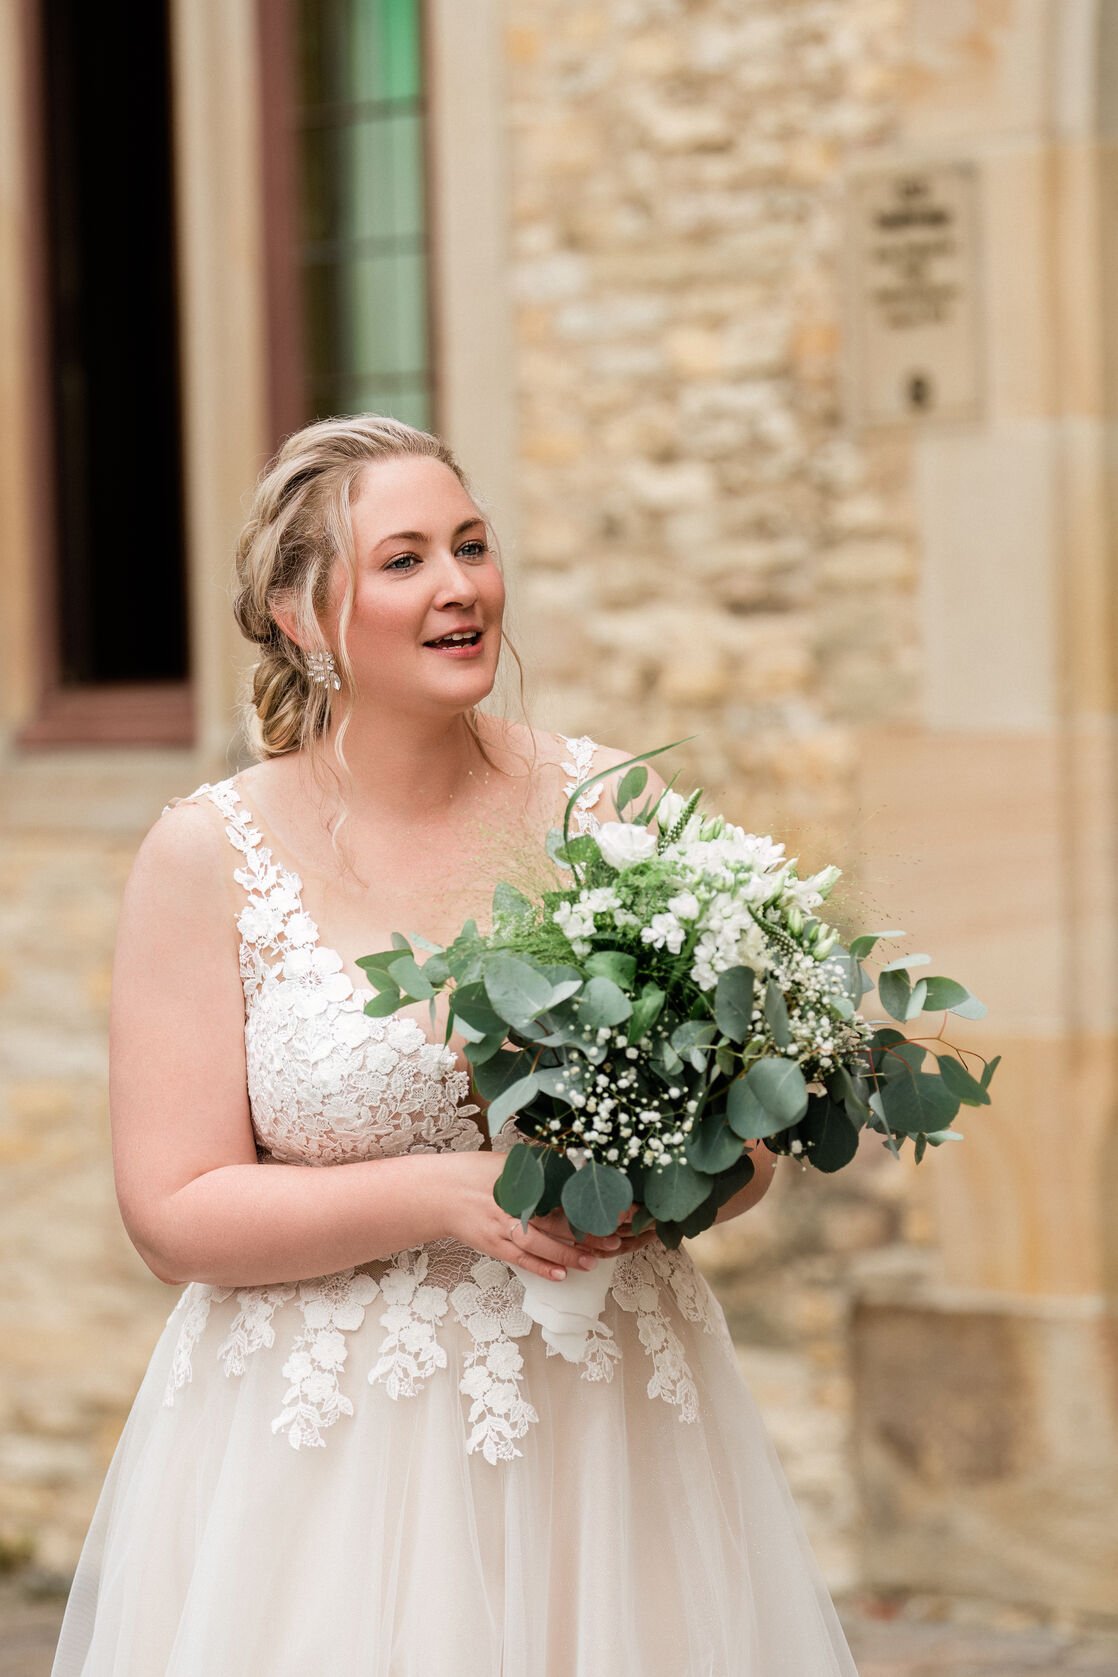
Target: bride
(353, 1453)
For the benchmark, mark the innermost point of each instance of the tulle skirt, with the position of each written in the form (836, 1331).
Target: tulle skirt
(629, 1536)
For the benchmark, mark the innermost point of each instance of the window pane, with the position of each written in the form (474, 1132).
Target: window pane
(364, 233)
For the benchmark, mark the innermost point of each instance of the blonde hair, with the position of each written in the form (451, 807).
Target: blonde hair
(299, 524)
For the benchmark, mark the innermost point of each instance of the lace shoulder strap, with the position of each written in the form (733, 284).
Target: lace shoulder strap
(580, 766)
(272, 920)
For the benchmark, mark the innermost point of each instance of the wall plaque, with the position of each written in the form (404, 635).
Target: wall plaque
(913, 340)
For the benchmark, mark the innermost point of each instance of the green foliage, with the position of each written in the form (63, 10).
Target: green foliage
(959, 1082)
(596, 1197)
(779, 1086)
(733, 1003)
(712, 1146)
(776, 1015)
(830, 1140)
(613, 964)
(520, 1185)
(601, 1003)
(672, 1192)
(917, 1102)
(894, 992)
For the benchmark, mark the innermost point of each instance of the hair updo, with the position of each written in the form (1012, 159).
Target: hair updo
(298, 526)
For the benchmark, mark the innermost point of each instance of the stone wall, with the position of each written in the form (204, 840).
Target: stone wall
(704, 550)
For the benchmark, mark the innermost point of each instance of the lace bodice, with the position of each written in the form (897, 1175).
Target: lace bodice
(327, 1085)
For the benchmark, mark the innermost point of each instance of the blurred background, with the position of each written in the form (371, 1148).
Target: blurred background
(780, 338)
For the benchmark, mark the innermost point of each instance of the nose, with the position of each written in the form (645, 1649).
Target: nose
(456, 584)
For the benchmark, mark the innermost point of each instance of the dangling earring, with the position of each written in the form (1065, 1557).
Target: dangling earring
(320, 668)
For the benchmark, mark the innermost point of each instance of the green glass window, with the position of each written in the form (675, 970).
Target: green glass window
(363, 242)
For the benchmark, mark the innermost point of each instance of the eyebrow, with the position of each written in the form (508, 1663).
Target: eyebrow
(419, 536)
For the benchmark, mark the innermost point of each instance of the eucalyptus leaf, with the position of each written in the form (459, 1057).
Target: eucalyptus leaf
(387, 1002)
(642, 1219)
(989, 1069)
(500, 1072)
(900, 1058)
(960, 1082)
(517, 990)
(916, 1000)
(596, 1197)
(613, 964)
(511, 1101)
(673, 1191)
(733, 1003)
(972, 1008)
(377, 965)
(521, 1183)
(601, 1003)
(944, 993)
(407, 973)
(776, 1014)
(779, 1086)
(894, 990)
(646, 1011)
(712, 1145)
(399, 941)
(556, 1169)
(830, 1139)
(479, 1052)
(904, 961)
(918, 1102)
(632, 785)
(747, 1117)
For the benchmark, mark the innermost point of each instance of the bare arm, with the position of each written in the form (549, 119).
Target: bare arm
(764, 1164)
(195, 1201)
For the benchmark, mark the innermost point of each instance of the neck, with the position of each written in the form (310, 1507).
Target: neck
(407, 765)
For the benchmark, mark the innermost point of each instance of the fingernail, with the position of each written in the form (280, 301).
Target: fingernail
(586, 1261)
(558, 1275)
(613, 1241)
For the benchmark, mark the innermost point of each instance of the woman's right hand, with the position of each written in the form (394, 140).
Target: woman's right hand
(475, 1218)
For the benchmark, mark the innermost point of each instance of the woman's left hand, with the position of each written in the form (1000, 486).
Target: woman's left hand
(616, 1245)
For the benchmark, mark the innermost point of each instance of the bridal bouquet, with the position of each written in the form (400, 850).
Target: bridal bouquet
(675, 997)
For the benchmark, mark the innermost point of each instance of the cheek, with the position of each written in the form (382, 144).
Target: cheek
(493, 593)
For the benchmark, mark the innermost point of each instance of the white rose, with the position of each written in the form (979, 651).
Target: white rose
(623, 844)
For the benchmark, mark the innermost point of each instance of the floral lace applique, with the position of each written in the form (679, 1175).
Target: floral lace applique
(332, 1306)
(635, 1288)
(489, 1306)
(580, 767)
(410, 1352)
(252, 1327)
(195, 1304)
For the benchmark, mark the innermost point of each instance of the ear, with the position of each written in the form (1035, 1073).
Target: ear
(287, 622)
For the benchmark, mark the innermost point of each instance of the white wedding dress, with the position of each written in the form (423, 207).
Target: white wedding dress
(384, 1472)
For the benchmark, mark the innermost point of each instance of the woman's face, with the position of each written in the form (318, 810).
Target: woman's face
(425, 633)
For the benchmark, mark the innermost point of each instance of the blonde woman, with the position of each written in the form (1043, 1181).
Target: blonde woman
(352, 1453)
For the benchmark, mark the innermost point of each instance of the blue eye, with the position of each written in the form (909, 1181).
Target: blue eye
(403, 562)
(473, 550)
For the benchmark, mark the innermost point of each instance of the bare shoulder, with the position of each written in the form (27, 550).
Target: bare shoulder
(182, 868)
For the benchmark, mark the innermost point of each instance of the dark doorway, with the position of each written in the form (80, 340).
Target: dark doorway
(120, 596)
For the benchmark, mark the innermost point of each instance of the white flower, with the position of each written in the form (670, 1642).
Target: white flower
(669, 810)
(664, 929)
(685, 906)
(622, 844)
